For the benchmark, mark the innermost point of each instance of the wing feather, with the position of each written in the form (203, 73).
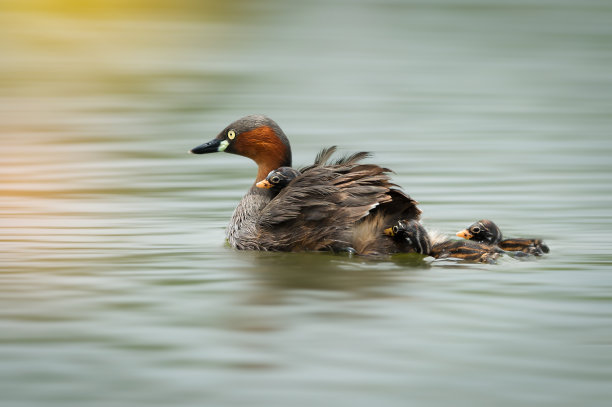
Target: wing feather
(319, 209)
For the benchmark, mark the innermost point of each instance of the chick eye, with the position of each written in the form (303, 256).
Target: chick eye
(231, 134)
(395, 229)
(476, 229)
(275, 180)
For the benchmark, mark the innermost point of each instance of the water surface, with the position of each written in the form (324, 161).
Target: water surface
(117, 287)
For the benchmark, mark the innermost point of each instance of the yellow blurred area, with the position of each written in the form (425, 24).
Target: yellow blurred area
(76, 76)
(109, 8)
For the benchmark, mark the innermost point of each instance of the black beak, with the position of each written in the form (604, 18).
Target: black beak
(210, 147)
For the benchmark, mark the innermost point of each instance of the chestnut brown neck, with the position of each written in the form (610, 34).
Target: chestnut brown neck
(265, 147)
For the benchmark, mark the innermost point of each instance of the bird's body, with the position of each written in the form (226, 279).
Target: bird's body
(486, 231)
(327, 206)
(413, 237)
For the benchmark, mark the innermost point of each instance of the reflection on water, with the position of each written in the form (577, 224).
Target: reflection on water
(117, 287)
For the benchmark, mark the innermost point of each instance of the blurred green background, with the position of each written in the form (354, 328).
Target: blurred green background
(116, 286)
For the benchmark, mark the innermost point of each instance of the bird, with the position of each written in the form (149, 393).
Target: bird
(332, 205)
(414, 238)
(486, 231)
(278, 179)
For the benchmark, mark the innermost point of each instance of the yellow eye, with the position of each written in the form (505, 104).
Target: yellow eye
(231, 134)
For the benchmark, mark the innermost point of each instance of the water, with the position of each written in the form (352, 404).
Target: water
(117, 287)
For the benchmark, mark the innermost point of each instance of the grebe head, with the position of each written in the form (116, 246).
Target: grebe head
(278, 179)
(257, 137)
(412, 233)
(482, 231)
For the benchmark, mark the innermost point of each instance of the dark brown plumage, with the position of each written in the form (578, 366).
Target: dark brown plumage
(333, 205)
(411, 236)
(486, 231)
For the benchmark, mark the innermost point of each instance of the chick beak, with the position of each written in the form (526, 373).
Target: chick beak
(465, 234)
(265, 184)
(389, 232)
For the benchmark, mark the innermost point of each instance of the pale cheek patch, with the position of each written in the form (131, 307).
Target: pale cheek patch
(223, 145)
